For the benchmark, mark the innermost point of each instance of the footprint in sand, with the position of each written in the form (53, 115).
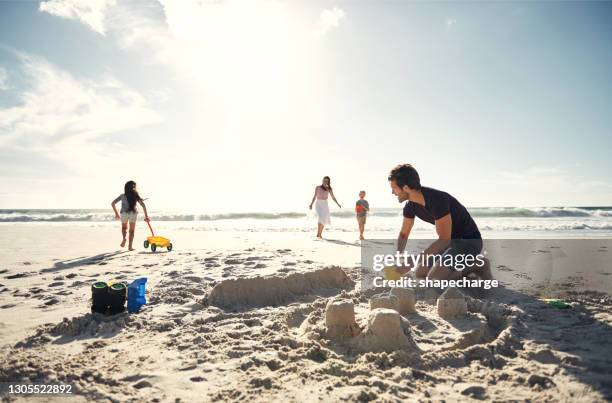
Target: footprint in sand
(3, 271)
(77, 283)
(522, 275)
(56, 284)
(195, 291)
(501, 267)
(7, 306)
(194, 279)
(17, 275)
(71, 275)
(142, 384)
(52, 301)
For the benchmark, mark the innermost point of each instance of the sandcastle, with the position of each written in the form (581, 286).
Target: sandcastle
(384, 300)
(451, 304)
(400, 299)
(384, 332)
(405, 300)
(340, 319)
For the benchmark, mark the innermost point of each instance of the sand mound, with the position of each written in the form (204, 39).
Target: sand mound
(340, 319)
(405, 300)
(385, 332)
(265, 291)
(451, 304)
(384, 300)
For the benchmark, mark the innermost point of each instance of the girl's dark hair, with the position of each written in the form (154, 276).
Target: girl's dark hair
(405, 175)
(131, 194)
(324, 186)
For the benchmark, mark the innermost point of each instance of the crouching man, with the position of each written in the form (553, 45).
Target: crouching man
(457, 231)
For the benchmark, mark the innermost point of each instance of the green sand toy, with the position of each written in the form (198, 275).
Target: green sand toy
(557, 303)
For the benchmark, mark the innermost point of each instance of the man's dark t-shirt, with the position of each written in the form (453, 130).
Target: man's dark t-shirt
(437, 205)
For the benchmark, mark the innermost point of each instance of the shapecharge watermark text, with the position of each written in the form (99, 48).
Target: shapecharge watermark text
(458, 262)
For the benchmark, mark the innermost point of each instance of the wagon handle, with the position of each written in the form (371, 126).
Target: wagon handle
(149, 224)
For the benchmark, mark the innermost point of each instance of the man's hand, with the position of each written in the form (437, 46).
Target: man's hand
(147, 219)
(117, 216)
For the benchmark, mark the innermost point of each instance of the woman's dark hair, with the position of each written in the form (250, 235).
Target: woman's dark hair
(405, 175)
(328, 186)
(131, 194)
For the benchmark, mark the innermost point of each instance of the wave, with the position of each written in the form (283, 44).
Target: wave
(541, 212)
(93, 215)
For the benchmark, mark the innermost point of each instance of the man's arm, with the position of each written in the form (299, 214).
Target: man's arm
(404, 233)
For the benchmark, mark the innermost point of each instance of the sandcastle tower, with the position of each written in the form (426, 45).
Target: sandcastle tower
(340, 319)
(451, 303)
(384, 300)
(400, 299)
(384, 332)
(405, 300)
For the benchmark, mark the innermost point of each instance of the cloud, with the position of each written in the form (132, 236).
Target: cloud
(328, 20)
(3, 79)
(450, 22)
(89, 12)
(59, 109)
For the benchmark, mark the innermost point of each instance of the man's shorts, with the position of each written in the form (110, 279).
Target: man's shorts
(361, 219)
(129, 216)
(459, 249)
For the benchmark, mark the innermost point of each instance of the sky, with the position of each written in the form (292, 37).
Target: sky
(218, 106)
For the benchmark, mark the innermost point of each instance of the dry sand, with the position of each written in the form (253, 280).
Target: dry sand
(260, 317)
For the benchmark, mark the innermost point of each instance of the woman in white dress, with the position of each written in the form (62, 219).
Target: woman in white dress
(322, 192)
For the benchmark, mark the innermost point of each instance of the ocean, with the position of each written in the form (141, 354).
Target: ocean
(496, 221)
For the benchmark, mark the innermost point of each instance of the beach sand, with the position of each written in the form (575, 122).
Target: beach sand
(239, 315)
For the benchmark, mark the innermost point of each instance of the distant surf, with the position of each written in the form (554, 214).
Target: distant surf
(100, 215)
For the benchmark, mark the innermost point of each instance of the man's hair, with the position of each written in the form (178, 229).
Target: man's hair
(405, 175)
(361, 191)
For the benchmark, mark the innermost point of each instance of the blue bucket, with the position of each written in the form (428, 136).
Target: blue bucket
(136, 294)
